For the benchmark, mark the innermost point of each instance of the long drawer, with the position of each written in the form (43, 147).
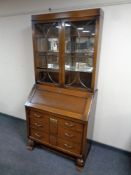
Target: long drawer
(69, 146)
(70, 135)
(38, 135)
(71, 125)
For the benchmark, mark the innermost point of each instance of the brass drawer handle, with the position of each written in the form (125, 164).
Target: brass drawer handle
(53, 120)
(68, 146)
(69, 135)
(69, 124)
(37, 135)
(37, 115)
(39, 125)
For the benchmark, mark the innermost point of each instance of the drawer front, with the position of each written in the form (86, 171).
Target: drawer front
(68, 134)
(38, 135)
(39, 126)
(71, 125)
(38, 116)
(39, 121)
(69, 146)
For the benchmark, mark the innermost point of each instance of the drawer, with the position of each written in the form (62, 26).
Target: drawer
(68, 134)
(38, 135)
(39, 117)
(69, 146)
(39, 121)
(39, 126)
(71, 125)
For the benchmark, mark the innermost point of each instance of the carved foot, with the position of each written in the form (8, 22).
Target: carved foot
(80, 162)
(30, 144)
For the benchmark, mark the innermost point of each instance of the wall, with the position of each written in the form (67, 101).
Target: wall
(15, 7)
(16, 64)
(112, 118)
(113, 109)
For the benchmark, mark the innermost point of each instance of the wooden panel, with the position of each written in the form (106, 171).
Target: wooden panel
(70, 135)
(60, 101)
(38, 135)
(69, 146)
(53, 126)
(53, 140)
(71, 125)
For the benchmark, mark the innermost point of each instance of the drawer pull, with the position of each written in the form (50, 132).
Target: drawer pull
(69, 124)
(39, 125)
(69, 135)
(37, 135)
(37, 115)
(68, 146)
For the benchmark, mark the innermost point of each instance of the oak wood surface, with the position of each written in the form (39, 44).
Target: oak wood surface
(67, 15)
(59, 103)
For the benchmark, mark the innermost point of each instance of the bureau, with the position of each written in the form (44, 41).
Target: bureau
(65, 47)
(62, 127)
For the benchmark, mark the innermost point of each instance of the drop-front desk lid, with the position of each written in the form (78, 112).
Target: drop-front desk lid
(75, 104)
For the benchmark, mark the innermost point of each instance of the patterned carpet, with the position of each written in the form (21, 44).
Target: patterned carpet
(15, 159)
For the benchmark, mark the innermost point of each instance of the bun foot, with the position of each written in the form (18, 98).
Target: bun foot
(30, 144)
(80, 162)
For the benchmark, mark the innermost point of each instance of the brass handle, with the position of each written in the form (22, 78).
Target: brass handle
(37, 135)
(39, 125)
(69, 135)
(68, 146)
(53, 120)
(37, 115)
(69, 124)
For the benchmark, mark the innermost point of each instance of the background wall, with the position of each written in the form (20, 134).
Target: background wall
(113, 110)
(16, 64)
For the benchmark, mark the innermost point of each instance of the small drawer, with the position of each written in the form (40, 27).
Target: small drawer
(39, 121)
(69, 146)
(39, 126)
(68, 134)
(38, 135)
(71, 125)
(38, 116)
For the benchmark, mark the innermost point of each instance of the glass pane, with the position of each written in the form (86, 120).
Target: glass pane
(46, 53)
(79, 53)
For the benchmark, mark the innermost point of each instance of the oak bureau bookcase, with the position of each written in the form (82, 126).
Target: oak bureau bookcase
(65, 60)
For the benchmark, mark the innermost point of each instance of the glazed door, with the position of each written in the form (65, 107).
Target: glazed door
(79, 52)
(65, 52)
(46, 52)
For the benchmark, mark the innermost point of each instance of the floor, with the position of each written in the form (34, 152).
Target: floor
(15, 159)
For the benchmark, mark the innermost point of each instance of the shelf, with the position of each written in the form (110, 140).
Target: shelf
(45, 37)
(80, 52)
(47, 53)
(86, 69)
(49, 69)
(81, 35)
(67, 36)
(79, 69)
